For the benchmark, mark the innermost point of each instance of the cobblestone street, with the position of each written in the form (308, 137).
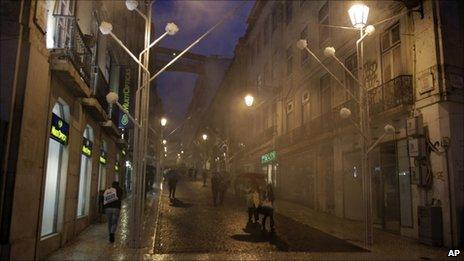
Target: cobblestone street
(192, 224)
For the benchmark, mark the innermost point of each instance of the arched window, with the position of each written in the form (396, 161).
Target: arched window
(56, 168)
(85, 173)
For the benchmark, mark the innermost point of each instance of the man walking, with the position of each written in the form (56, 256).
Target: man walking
(172, 178)
(215, 187)
(112, 205)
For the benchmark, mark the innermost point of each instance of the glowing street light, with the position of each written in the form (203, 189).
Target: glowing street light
(358, 14)
(163, 121)
(249, 99)
(204, 136)
(165, 149)
(164, 142)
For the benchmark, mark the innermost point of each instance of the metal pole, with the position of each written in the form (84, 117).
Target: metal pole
(364, 123)
(140, 146)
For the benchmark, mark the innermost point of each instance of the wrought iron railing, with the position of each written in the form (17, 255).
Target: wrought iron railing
(391, 94)
(68, 36)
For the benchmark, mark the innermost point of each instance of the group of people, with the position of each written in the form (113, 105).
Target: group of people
(261, 202)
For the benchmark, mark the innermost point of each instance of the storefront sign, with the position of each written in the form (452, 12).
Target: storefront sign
(103, 159)
(268, 157)
(124, 96)
(87, 147)
(59, 130)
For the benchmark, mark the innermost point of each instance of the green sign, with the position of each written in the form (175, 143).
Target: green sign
(87, 147)
(268, 157)
(102, 158)
(59, 130)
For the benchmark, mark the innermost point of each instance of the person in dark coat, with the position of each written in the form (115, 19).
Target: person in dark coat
(216, 187)
(112, 205)
(172, 177)
(224, 185)
(266, 208)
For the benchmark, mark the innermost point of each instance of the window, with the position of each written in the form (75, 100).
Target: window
(324, 20)
(85, 173)
(266, 30)
(290, 116)
(63, 9)
(275, 16)
(391, 53)
(352, 65)
(303, 53)
(305, 107)
(54, 177)
(289, 61)
(326, 95)
(288, 12)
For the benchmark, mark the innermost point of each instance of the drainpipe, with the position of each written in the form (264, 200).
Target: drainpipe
(15, 122)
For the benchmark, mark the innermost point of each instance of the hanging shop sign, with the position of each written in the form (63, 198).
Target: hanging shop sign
(103, 160)
(268, 157)
(59, 130)
(125, 94)
(87, 147)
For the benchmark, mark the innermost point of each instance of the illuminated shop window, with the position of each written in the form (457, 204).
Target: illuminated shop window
(56, 169)
(85, 173)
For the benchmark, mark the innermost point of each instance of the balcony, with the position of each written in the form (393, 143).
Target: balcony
(96, 105)
(71, 58)
(392, 94)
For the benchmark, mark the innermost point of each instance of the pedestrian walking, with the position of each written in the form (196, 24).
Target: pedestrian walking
(204, 176)
(266, 208)
(173, 178)
(252, 204)
(223, 186)
(215, 187)
(112, 205)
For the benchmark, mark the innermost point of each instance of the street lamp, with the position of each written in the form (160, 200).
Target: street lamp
(163, 121)
(164, 142)
(358, 15)
(249, 99)
(112, 98)
(204, 136)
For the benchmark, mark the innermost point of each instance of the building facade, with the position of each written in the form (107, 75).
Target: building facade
(413, 73)
(64, 141)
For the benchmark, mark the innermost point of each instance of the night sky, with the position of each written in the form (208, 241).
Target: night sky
(193, 19)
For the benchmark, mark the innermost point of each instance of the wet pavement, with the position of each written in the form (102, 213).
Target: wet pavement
(192, 225)
(192, 229)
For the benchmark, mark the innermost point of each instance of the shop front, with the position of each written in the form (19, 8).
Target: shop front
(269, 167)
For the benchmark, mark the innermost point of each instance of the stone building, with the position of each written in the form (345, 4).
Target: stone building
(413, 70)
(63, 140)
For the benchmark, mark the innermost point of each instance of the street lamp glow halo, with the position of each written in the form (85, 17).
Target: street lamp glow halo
(370, 29)
(204, 137)
(105, 27)
(132, 4)
(164, 141)
(171, 28)
(163, 121)
(112, 98)
(358, 15)
(329, 51)
(389, 129)
(249, 99)
(302, 44)
(345, 113)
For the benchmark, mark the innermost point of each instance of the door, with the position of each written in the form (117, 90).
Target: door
(390, 187)
(352, 185)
